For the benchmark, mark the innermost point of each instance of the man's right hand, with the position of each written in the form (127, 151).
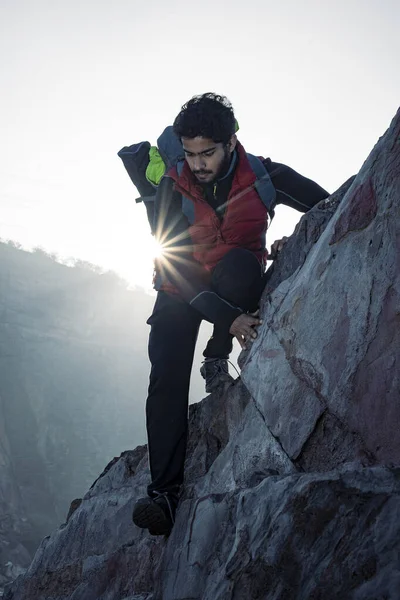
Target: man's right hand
(243, 328)
(276, 248)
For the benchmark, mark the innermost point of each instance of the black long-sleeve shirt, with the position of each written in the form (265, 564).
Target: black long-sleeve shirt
(171, 227)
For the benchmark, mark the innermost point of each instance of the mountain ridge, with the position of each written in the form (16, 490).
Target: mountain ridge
(292, 478)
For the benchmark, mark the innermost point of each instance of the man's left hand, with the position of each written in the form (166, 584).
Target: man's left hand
(243, 328)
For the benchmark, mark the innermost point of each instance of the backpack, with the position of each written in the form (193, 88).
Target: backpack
(137, 162)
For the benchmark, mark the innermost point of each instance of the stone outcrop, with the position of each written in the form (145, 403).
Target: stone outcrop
(292, 484)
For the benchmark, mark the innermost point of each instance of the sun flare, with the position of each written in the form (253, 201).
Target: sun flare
(156, 248)
(135, 261)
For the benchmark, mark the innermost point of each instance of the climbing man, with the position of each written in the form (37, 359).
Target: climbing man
(212, 211)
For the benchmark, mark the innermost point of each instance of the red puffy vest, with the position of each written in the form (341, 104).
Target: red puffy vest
(245, 221)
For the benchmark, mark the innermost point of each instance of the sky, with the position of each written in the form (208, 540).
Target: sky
(314, 85)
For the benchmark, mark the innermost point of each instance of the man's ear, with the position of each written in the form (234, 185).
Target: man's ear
(232, 143)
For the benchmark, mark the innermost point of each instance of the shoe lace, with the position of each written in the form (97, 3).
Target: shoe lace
(231, 363)
(165, 495)
(217, 363)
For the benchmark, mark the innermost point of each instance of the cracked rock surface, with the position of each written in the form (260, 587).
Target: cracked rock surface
(292, 484)
(326, 365)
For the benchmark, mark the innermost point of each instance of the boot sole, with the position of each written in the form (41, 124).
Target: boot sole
(151, 517)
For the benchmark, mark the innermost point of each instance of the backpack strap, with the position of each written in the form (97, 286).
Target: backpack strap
(179, 167)
(264, 186)
(149, 204)
(145, 199)
(187, 204)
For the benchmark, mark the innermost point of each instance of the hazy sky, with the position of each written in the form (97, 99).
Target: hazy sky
(314, 84)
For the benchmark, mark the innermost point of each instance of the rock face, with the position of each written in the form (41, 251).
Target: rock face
(292, 484)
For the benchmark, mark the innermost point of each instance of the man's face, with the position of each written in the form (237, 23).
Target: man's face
(206, 158)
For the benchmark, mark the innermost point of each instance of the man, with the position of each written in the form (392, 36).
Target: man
(211, 220)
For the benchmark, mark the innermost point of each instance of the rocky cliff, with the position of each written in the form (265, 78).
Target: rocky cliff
(292, 484)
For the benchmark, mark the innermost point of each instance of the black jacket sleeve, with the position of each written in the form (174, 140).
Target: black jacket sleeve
(177, 265)
(293, 189)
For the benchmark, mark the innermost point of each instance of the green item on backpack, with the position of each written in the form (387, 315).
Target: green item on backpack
(156, 167)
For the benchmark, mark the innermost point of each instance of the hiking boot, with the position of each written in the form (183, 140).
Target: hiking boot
(216, 373)
(156, 514)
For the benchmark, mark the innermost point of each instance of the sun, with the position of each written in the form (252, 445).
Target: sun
(134, 259)
(156, 249)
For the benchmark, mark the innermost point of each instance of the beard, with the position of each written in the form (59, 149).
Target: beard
(222, 169)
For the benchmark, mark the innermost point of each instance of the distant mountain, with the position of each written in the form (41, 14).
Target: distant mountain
(73, 383)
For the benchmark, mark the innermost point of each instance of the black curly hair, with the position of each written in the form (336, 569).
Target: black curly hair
(208, 115)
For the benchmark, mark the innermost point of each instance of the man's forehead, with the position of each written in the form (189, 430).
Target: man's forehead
(198, 144)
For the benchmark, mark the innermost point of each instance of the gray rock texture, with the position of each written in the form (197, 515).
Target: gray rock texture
(292, 484)
(327, 361)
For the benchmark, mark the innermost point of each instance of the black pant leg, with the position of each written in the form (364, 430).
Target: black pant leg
(174, 328)
(239, 279)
